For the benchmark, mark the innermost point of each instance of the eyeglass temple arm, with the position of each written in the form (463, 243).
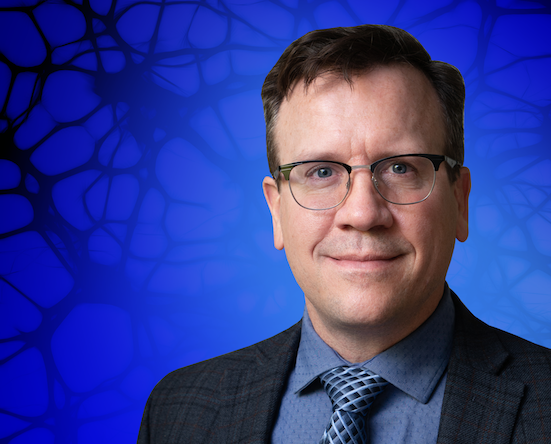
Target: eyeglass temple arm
(437, 159)
(285, 170)
(451, 162)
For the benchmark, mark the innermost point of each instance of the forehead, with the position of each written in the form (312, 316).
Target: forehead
(389, 110)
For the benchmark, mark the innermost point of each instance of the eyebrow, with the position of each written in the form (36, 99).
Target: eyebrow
(323, 155)
(335, 157)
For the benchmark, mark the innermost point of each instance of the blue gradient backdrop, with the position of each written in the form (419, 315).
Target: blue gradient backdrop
(134, 237)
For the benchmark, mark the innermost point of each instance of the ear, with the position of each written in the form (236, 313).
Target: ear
(461, 191)
(271, 193)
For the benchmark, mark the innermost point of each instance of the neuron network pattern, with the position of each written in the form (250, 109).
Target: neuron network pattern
(134, 238)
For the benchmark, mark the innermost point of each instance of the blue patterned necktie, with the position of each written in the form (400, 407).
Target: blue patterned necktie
(352, 391)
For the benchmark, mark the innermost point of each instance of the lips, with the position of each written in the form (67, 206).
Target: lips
(364, 250)
(365, 264)
(371, 257)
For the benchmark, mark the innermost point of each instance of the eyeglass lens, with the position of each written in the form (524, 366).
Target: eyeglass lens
(323, 185)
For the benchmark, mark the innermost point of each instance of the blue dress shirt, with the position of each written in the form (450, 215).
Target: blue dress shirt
(408, 410)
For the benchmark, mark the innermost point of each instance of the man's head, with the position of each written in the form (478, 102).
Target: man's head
(347, 52)
(365, 265)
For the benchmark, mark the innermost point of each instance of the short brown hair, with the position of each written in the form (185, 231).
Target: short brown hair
(346, 52)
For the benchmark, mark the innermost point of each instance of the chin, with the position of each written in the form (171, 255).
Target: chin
(368, 311)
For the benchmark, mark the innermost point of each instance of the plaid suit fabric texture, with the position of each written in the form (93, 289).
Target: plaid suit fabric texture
(352, 391)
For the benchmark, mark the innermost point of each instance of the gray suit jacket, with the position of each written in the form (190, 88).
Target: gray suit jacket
(498, 391)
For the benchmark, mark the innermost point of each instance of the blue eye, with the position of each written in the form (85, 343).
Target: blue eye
(399, 168)
(324, 172)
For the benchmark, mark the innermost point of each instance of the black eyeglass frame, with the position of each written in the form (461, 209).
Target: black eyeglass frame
(436, 160)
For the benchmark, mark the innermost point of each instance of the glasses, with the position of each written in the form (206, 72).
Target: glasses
(402, 180)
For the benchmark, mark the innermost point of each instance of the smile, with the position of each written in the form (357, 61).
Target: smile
(365, 263)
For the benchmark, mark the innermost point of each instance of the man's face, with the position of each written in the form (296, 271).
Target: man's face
(367, 264)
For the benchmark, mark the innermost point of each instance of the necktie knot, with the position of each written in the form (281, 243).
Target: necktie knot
(351, 390)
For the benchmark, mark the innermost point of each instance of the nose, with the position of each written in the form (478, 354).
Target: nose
(363, 209)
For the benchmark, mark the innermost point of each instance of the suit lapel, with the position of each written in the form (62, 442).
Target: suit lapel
(479, 406)
(253, 395)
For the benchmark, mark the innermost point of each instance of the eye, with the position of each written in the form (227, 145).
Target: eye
(324, 172)
(320, 174)
(399, 168)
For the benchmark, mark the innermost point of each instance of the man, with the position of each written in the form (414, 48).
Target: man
(368, 194)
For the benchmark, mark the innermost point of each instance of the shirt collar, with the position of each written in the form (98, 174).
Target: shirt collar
(413, 365)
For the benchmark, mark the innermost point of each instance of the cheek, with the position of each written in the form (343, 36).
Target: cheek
(430, 229)
(303, 229)
(438, 236)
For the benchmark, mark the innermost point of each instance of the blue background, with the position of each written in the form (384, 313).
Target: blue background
(134, 237)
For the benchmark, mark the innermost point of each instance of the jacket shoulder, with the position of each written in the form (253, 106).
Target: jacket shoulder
(206, 373)
(498, 382)
(523, 349)
(230, 398)
(498, 351)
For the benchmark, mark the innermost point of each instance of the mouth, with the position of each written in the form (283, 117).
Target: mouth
(370, 262)
(366, 257)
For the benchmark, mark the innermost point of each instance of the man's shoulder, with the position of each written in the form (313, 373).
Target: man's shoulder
(498, 382)
(526, 359)
(520, 346)
(209, 373)
(231, 398)
(498, 351)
